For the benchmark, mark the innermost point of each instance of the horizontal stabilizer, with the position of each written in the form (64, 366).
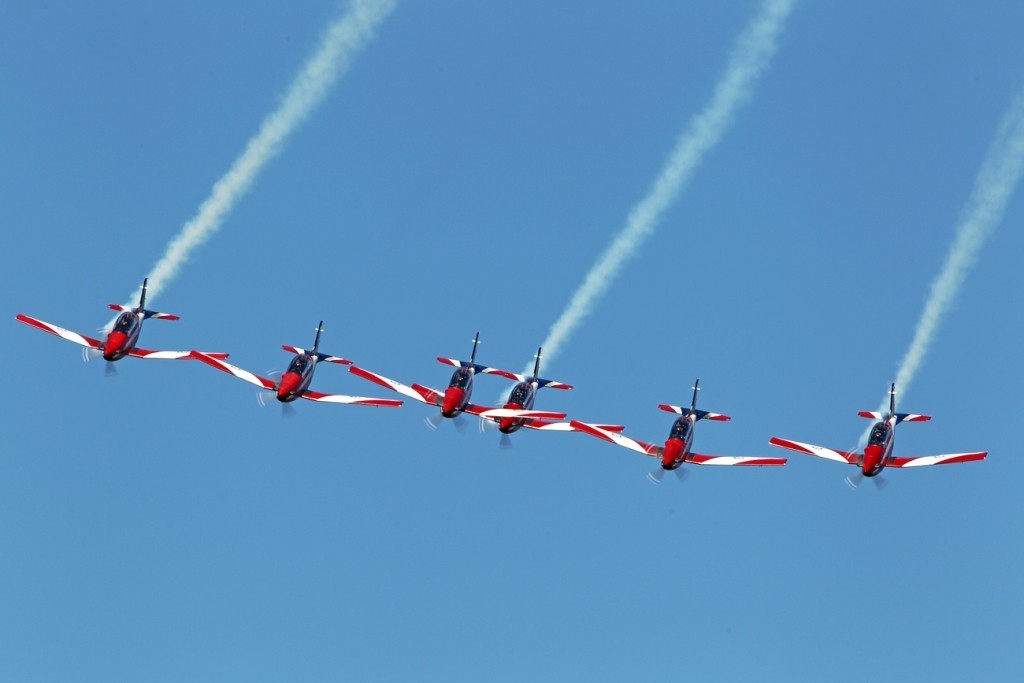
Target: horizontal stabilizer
(146, 314)
(910, 417)
(871, 415)
(701, 414)
(321, 356)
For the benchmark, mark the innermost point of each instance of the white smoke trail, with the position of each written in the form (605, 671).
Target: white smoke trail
(993, 187)
(341, 41)
(750, 57)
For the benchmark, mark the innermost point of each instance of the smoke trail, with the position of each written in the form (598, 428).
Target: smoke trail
(993, 186)
(339, 45)
(750, 57)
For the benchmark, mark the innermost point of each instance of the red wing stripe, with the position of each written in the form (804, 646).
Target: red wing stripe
(617, 439)
(74, 337)
(234, 370)
(417, 392)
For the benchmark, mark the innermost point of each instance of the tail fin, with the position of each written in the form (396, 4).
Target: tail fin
(316, 342)
(541, 382)
(900, 417)
(476, 341)
(696, 388)
(142, 298)
(146, 314)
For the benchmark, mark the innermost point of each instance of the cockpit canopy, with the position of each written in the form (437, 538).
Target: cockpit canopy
(460, 378)
(125, 322)
(298, 364)
(879, 434)
(680, 429)
(520, 394)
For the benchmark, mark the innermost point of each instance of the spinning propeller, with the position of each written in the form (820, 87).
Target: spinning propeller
(655, 476)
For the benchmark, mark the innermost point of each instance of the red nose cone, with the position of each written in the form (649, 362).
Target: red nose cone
(507, 422)
(114, 345)
(872, 456)
(452, 401)
(673, 450)
(289, 383)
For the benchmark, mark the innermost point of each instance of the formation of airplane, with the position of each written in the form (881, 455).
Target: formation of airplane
(124, 335)
(678, 445)
(877, 453)
(518, 410)
(295, 381)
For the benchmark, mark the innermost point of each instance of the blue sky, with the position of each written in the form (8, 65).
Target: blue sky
(463, 176)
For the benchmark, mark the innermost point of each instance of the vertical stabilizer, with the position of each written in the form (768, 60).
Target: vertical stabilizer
(696, 388)
(142, 297)
(476, 341)
(316, 342)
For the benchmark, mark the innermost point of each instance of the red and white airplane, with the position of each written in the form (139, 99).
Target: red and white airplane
(523, 396)
(121, 340)
(455, 400)
(296, 379)
(676, 450)
(878, 451)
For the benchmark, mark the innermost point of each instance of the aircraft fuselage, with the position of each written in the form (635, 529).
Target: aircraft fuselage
(123, 337)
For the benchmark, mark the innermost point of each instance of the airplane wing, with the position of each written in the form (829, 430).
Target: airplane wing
(351, 400)
(547, 425)
(173, 355)
(698, 459)
(416, 391)
(238, 372)
(499, 413)
(923, 460)
(616, 438)
(847, 457)
(80, 339)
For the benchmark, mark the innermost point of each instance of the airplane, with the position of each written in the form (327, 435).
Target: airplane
(121, 340)
(878, 451)
(522, 397)
(676, 450)
(456, 398)
(295, 381)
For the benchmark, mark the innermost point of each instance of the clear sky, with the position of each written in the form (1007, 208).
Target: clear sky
(464, 175)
